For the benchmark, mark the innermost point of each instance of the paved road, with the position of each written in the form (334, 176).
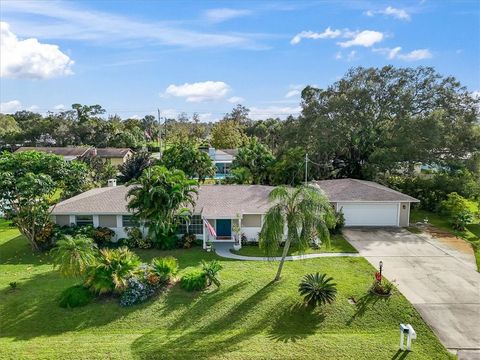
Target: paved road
(441, 283)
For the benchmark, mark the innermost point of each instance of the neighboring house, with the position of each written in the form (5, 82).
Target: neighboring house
(364, 203)
(223, 159)
(116, 156)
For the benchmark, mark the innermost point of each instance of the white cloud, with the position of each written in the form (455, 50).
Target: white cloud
(327, 34)
(224, 14)
(294, 91)
(67, 20)
(273, 112)
(30, 59)
(59, 107)
(235, 99)
(414, 55)
(396, 13)
(364, 38)
(199, 91)
(10, 107)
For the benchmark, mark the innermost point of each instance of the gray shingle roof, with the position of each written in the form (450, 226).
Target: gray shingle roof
(217, 201)
(226, 201)
(112, 152)
(360, 190)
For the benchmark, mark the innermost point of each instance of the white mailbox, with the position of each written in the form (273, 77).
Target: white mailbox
(407, 329)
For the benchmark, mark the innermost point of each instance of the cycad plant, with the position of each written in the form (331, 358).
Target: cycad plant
(317, 289)
(165, 268)
(304, 211)
(74, 255)
(211, 270)
(112, 270)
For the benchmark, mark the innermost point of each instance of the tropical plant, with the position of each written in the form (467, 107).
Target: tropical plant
(317, 289)
(165, 267)
(306, 213)
(257, 158)
(103, 236)
(461, 220)
(339, 222)
(28, 183)
(158, 197)
(132, 168)
(112, 270)
(75, 296)
(187, 241)
(186, 156)
(194, 279)
(73, 256)
(211, 270)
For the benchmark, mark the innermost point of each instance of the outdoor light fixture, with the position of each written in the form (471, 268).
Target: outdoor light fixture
(380, 266)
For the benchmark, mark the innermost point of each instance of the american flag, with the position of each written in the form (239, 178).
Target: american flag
(210, 228)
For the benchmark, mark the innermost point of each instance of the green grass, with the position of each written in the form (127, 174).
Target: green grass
(248, 317)
(338, 245)
(471, 233)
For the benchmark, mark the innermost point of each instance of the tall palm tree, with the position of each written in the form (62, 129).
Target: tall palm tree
(74, 255)
(305, 212)
(158, 197)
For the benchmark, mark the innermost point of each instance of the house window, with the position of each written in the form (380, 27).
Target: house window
(129, 221)
(193, 224)
(82, 220)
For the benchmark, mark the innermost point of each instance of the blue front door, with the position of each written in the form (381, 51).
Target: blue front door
(224, 227)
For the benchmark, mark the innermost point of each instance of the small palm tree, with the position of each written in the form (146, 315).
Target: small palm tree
(74, 255)
(211, 269)
(317, 289)
(114, 267)
(306, 213)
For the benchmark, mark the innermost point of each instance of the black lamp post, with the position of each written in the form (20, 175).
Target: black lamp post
(381, 266)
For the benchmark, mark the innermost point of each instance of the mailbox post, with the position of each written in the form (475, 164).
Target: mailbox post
(411, 335)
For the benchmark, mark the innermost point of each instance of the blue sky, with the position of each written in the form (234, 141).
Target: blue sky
(133, 57)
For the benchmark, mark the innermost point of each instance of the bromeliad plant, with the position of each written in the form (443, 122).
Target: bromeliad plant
(317, 289)
(211, 270)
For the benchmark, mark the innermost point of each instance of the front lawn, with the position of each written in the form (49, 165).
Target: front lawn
(338, 245)
(471, 234)
(248, 317)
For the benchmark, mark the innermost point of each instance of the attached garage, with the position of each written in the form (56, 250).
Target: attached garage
(366, 203)
(370, 214)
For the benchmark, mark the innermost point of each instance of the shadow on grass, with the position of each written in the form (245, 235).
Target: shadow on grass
(32, 310)
(400, 354)
(366, 302)
(307, 320)
(215, 337)
(18, 251)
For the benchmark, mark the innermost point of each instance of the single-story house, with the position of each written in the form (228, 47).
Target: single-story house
(116, 156)
(363, 203)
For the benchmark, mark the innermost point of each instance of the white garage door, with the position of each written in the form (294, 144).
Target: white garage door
(370, 214)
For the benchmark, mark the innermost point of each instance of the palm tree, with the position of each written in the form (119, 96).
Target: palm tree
(158, 197)
(74, 255)
(305, 211)
(317, 289)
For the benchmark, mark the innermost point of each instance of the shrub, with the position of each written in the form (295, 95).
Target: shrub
(136, 239)
(383, 287)
(187, 241)
(137, 291)
(74, 255)
(339, 222)
(103, 236)
(211, 270)
(165, 267)
(46, 238)
(112, 270)
(194, 279)
(317, 289)
(75, 296)
(461, 220)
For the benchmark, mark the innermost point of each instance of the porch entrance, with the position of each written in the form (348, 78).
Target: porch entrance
(224, 228)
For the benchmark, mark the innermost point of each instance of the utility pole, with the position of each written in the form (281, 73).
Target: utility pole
(306, 168)
(159, 134)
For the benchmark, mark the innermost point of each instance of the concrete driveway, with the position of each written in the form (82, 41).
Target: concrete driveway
(442, 284)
